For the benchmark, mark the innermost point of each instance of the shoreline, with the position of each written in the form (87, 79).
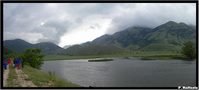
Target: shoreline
(47, 79)
(100, 57)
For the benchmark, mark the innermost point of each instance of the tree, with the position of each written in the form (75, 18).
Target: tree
(8, 53)
(33, 57)
(188, 50)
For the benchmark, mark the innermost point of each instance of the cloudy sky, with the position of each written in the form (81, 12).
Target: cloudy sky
(75, 23)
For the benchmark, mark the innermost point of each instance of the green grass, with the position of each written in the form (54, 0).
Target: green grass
(12, 78)
(42, 79)
(165, 57)
(124, 54)
(160, 57)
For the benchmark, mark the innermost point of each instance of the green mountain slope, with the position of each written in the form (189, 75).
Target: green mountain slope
(169, 36)
(92, 49)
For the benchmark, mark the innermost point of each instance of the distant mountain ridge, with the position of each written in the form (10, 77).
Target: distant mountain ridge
(166, 37)
(19, 45)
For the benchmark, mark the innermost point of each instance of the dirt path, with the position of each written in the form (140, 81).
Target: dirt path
(23, 80)
(5, 77)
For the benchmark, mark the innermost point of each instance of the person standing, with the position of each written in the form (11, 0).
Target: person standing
(5, 63)
(17, 63)
(19, 67)
(9, 62)
(12, 62)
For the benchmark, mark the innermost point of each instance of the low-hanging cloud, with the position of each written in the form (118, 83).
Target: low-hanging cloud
(50, 22)
(152, 15)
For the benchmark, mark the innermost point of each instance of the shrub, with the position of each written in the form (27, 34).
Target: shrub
(189, 50)
(33, 57)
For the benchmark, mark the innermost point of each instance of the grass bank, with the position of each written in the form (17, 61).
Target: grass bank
(43, 79)
(163, 57)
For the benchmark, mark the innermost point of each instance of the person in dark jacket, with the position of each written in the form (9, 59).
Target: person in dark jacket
(17, 63)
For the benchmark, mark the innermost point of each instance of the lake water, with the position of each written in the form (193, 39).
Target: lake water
(125, 72)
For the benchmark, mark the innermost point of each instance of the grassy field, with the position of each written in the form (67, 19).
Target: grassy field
(144, 55)
(163, 57)
(42, 79)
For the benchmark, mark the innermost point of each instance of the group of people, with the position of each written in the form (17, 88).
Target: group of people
(12, 62)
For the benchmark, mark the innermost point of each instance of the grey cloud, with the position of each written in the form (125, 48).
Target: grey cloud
(26, 18)
(52, 31)
(20, 15)
(23, 18)
(152, 15)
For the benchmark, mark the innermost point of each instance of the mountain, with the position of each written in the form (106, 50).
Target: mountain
(132, 35)
(92, 49)
(169, 36)
(19, 45)
(172, 31)
(48, 48)
(166, 37)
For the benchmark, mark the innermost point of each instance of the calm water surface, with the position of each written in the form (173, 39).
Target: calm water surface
(125, 72)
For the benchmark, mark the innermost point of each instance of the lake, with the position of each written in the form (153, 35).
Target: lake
(125, 72)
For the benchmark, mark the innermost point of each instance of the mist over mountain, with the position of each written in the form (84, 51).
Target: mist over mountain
(169, 36)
